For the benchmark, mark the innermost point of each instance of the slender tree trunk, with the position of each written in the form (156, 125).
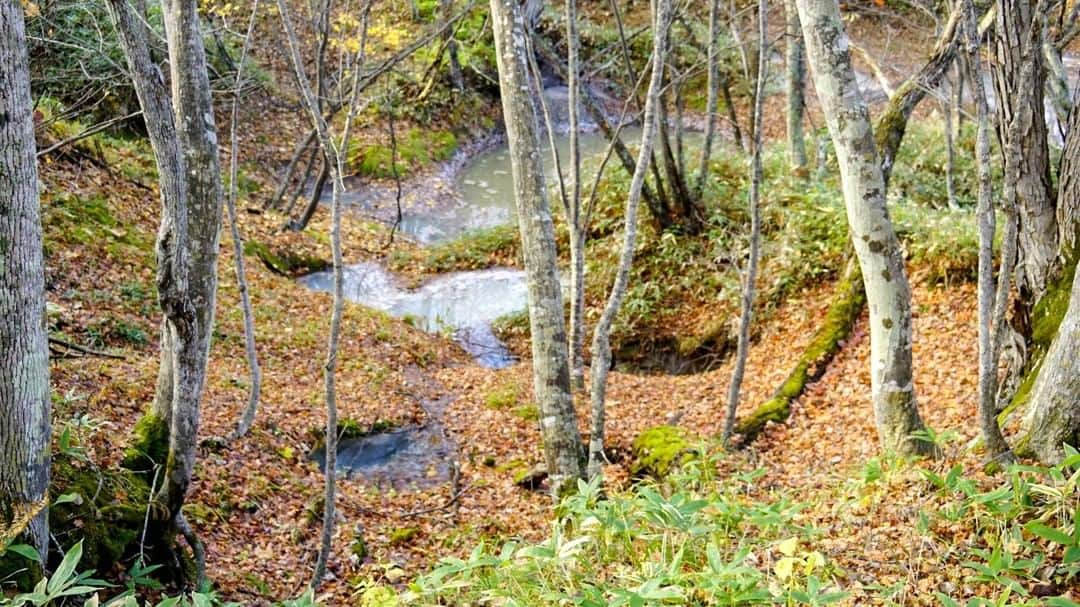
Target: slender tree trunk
(573, 215)
(876, 244)
(446, 7)
(747, 300)
(712, 96)
(248, 417)
(334, 148)
(795, 86)
(24, 349)
(551, 366)
(601, 348)
(996, 445)
(950, 148)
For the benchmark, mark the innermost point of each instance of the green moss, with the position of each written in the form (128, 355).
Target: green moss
(284, 263)
(529, 413)
(403, 535)
(658, 450)
(415, 148)
(503, 398)
(358, 547)
(107, 513)
(1050, 310)
(149, 444)
(841, 317)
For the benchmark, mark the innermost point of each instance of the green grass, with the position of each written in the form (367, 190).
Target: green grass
(416, 147)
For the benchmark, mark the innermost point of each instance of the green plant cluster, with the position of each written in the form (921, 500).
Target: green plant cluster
(690, 540)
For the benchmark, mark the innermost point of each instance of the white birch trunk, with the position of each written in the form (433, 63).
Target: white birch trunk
(876, 245)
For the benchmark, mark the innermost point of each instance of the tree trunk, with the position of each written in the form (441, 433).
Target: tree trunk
(747, 300)
(892, 124)
(1053, 418)
(197, 138)
(247, 418)
(1018, 80)
(876, 244)
(551, 368)
(1068, 203)
(573, 206)
(24, 353)
(712, 96)
(989, 309)
(601, 348)
(795, 86)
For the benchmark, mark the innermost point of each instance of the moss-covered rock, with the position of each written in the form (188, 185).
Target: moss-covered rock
(659, 450)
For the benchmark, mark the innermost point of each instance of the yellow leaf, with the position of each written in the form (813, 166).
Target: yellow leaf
(788, 546)
(814, 560)
(784, 567)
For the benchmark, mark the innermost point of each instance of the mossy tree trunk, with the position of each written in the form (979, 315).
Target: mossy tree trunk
(876, 244)
(1053, 417)
(551, 367)
(892, 124)
(24, 354)
(601, 347)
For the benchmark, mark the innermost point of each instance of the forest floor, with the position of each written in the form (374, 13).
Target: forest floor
(256, 502)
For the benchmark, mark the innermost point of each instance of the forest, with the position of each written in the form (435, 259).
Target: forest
(522, 303)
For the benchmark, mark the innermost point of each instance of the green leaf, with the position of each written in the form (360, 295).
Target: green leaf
(26, 551)
(62, 576)
(68, 498)
(1049, 533)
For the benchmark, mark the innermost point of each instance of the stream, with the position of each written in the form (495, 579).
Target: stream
(471, 192)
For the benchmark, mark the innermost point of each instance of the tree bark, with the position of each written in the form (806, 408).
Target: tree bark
(795, 87)
(989, 333)
(24, 350)
(1053, 418)
(876, 244)
(750, 278)
(601, 347)
(1018, 80)
(551, 367)
(573, 208)
(185, 150)
(712, 86)
(197, 140)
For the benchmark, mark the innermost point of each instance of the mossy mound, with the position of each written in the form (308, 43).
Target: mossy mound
(107, 510)
(285, 263)
(657, 451)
